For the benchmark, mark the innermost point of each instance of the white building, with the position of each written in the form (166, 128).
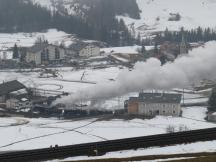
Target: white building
(89, 51)
(13, 95)
(84, 50)
(151, 104)
(45, 54)
(18, 104)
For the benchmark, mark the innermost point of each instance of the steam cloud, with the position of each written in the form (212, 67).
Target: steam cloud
(198, 64)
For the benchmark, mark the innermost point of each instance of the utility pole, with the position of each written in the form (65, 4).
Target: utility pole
(119, 102)
(183, 97)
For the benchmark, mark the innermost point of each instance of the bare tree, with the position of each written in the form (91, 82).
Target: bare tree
(41, 39)
(170, 129)
(183, 128)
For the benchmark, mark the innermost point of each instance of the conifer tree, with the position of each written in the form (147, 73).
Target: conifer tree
(15, 52)
(212, 101)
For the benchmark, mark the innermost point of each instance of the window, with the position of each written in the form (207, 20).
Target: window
(174, 111)
(45, 55)
(150, 111)
(57, 53)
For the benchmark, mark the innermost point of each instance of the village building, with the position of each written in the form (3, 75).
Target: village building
(82, 49)
(169, 50)
(5, 54)
(7, 89)
(19, 104)
(151, 104)
(127, 57)
(43, 53)
(212, 117)
(14, 95)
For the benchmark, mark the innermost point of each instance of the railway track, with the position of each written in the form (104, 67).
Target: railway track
(100, 148)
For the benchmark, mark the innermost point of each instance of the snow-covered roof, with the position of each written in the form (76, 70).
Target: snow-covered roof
(158, 98)
(126, 49)
(24, 99)
(11, 86)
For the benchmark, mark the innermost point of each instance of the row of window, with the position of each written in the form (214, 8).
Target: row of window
(159, 105)
(158, 112)
(45, 54)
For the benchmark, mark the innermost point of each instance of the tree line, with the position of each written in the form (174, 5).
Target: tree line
(193, 35)
(100, 24)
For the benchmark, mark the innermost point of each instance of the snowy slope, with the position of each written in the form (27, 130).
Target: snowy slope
(7, 40)
(70, 7)
(155, 15)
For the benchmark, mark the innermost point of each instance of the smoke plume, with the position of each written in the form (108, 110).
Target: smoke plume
(197, 65)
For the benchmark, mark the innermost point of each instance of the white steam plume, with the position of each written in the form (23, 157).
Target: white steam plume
(198, 64)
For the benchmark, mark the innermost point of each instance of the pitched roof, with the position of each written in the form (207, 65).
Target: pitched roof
(37, 47)
(78, 46)
(157, 98)
(11, 86)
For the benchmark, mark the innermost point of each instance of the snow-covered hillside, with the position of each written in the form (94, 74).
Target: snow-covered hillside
(82, 8)
(71, 7)
(7, 40)
(156, 13)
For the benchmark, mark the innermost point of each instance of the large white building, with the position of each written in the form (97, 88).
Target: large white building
(43, 53)
(151, 104)
(84, 50)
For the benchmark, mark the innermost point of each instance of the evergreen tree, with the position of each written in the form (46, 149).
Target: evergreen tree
(212, 101)
(194, 35)
(15, 52)
(100, 22)
(156, 48)
(143, 49)
(139, 40)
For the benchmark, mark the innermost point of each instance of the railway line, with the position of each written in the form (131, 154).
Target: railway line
(100, 148)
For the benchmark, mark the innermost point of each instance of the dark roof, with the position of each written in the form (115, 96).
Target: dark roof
(11, 86)
(37, 47)
(157, 98)
(78, 46)
(214, 90)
